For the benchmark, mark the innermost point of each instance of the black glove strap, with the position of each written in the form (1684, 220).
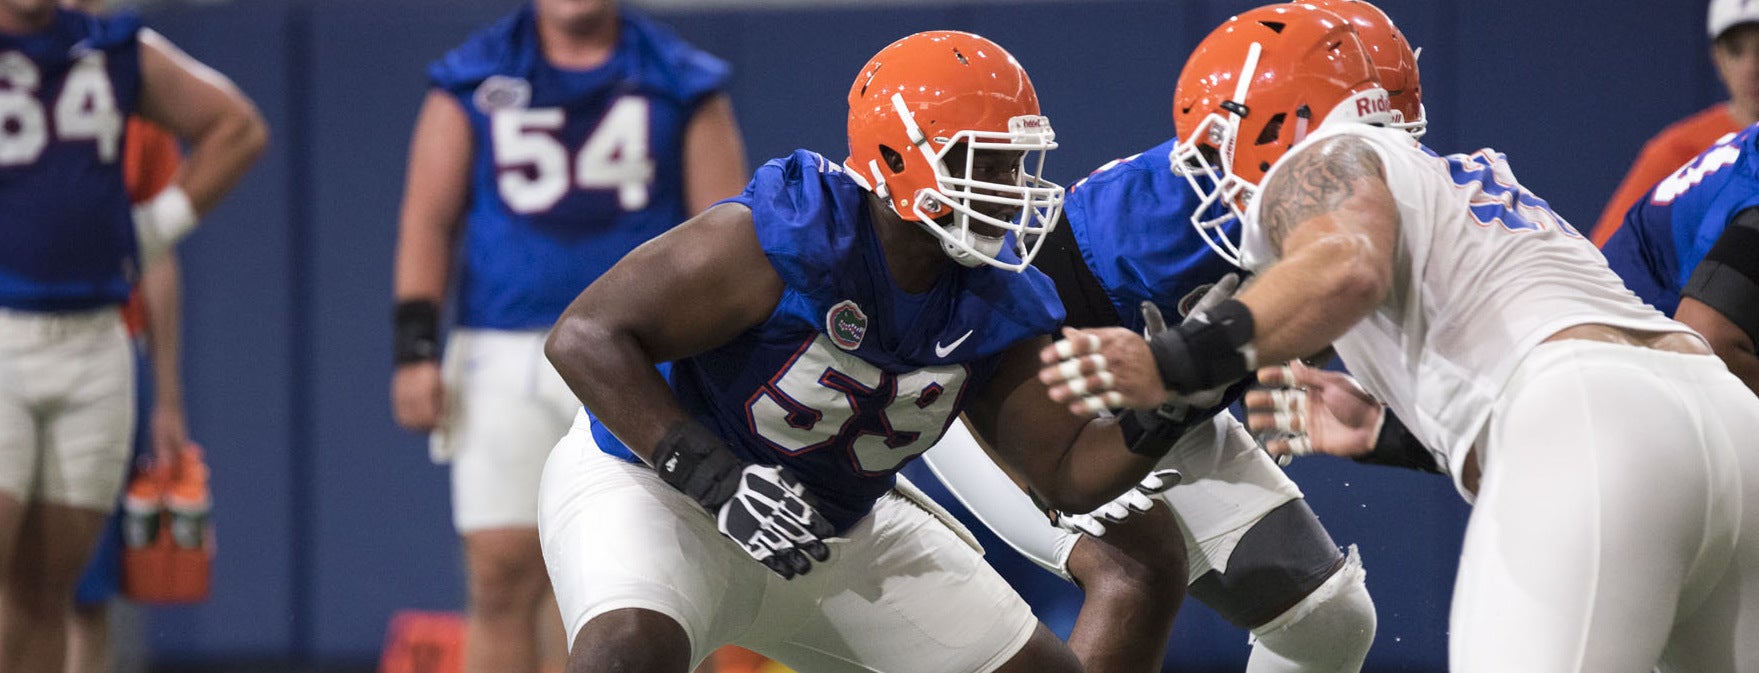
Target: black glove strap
(1396, 446)
(416, 331)
(1207, 350)
(696, 461)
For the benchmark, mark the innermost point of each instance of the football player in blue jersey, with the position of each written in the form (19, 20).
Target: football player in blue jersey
(1257, 554)
(1541, 384)
(1687, 247)
(823, 329)
(560, 138)
(73, 245)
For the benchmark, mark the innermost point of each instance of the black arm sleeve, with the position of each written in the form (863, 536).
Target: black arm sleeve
(1728, 278)
(1083, 297)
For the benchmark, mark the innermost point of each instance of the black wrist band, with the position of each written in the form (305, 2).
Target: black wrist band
(415, 331)
(1396, 446)
(1205, 351)
(692, 459)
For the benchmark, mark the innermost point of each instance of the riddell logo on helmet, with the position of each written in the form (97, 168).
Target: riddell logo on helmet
(1368, 106)
(846, 325)
(1033, 124)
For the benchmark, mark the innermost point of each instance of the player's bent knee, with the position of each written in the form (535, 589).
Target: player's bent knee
(1141, 559)
(630, 640)
(1280, 561)
(1329, 630)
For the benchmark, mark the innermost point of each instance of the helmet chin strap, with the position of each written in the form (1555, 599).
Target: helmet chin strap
(988, 246)
(973, 242)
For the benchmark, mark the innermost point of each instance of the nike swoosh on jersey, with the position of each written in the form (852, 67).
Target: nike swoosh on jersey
(943, 351)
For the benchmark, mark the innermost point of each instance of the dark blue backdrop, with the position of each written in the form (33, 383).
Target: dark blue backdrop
(330, 518)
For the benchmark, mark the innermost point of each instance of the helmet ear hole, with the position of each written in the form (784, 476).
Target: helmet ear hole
(893, 159)
(1272, 130)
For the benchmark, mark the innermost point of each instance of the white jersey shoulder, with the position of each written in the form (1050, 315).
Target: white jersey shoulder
(1484, 272)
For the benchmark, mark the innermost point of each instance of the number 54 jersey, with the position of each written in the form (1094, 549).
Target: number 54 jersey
(850, 377)
(572, 168)
(1483, 272)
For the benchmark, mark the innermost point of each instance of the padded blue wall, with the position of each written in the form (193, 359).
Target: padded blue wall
(330, 518)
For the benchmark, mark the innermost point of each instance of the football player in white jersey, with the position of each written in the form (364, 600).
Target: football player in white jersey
(1616, 520)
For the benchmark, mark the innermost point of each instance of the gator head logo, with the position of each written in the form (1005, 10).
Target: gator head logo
(846, 325)
(501, 92)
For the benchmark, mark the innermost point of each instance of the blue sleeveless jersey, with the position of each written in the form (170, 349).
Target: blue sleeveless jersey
(1668, 232)
(850, 377)
(1132, 220)
(572, 169)
(69, 236)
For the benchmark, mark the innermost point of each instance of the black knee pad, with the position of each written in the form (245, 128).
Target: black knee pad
(1281, 559)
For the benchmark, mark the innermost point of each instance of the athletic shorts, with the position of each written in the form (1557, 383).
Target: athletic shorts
(903, 591)
(66, 406)
(505, 407)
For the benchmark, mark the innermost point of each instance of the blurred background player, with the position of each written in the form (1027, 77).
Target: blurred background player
(1690, 247)
(1546, 399)
(822, 330)
(67, 414)
(561, 137)
(1734, 50)
(150, 158)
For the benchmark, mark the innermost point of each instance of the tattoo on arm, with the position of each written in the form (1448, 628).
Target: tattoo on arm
(1317, 179)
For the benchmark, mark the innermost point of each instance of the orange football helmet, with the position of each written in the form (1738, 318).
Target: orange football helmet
(938, 92)
(1395, 63)
(1256, 86)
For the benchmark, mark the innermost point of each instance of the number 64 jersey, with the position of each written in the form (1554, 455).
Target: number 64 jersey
(572, 168)
(850, 378)
(65, 93)
(1483, 273)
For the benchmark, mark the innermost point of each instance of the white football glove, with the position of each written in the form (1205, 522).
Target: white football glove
(1136, 500)
(772, 518)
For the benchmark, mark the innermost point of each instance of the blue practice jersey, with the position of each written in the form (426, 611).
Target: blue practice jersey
(1668, 232)
(1127, 238)
(69, 236)
(850, 377)
(572, 169)
(1131, 220)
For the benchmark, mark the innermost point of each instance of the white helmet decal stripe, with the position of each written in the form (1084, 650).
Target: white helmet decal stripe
(1248, 72)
